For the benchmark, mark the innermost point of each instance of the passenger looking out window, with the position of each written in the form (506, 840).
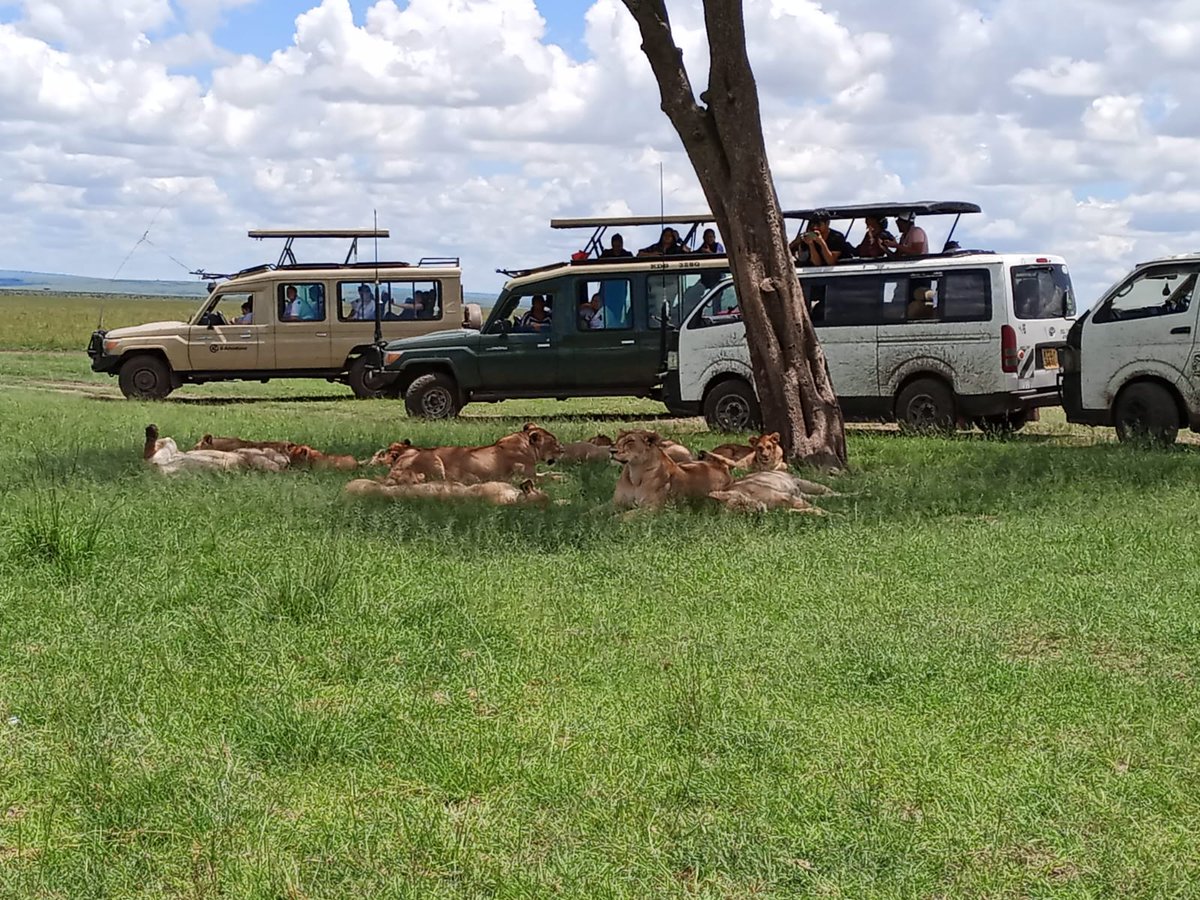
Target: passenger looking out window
(247, 316)
(363, 307)
(604, 305)
(537, 320)
(302, 303)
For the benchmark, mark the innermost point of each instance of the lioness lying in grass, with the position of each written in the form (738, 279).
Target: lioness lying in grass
(651, 478)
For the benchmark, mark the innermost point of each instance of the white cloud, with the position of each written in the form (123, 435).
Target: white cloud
(1070, 122)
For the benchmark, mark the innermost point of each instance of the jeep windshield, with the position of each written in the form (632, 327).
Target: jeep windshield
(1043, 292)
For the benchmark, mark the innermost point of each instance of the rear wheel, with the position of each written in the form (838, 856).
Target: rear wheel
(433, 396)
(732, 406)
(925, 407)
(1146, 413)
(367, 383)
(145, 377)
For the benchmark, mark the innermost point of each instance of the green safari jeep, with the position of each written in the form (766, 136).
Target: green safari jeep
(586, 328)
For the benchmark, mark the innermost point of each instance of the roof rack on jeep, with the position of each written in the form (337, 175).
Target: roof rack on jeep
(290, 235)
(601, 224)
(439, 261)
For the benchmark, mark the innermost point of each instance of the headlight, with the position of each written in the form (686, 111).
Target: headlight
(391, 357)
(673, 360)
(111, 347)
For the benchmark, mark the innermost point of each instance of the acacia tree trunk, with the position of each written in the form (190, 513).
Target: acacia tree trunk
(724, 141)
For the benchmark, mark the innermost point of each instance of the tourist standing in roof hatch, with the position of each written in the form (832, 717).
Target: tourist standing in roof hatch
(913, 241)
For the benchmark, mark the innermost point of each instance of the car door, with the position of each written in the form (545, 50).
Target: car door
(599, 348)
(302, 337)
(517, 350)
(1147, 326)
(219, 342)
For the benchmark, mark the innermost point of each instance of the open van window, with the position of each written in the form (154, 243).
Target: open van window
(1042, 292)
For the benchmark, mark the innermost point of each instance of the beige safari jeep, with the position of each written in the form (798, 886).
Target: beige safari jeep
(288, 320)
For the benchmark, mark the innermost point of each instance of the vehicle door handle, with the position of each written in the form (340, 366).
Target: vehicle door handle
(497, 349)
(547, 344)
(245, 335)
(1182, 329)
(322, 334)
(626, 343)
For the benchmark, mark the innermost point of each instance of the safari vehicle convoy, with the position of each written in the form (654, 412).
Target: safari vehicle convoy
(1132, 361)
(287, 320)
(929, 339)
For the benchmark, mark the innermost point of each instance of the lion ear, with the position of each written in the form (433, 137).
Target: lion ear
(529, 426)
(206, 440)
(754, 441)
(653, 438)
(774, 435)
(534, 437)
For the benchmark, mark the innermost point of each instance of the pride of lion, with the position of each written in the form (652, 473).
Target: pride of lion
(655, 471)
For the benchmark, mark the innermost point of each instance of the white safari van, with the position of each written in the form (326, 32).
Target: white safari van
(966, 337)
(1132, 361)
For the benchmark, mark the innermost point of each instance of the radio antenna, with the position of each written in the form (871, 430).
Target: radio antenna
(144, 239)
(378, 323)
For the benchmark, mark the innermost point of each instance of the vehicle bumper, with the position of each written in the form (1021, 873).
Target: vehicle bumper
(670, 394)
(1072, 403)
(101, 361)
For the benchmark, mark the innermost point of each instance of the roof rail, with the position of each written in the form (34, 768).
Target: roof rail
(600, 224)
(293, 233)
(452, 261)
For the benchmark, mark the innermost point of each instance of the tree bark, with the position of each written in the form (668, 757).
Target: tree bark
(724, 141)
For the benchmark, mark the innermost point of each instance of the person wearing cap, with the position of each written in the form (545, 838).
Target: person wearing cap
(818, 244)
(913, 240)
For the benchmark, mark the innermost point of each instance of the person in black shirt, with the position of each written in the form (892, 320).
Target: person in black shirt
(819, 245)
(617, 249)
(668, 245)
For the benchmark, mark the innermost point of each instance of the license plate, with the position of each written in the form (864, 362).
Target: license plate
(1050, 358)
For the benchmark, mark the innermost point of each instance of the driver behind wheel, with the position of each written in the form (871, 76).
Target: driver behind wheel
(247, 316)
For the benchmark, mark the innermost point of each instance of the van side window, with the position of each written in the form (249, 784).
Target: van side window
(604, 305)
(966, 296)
(1163, 291)
(958, 296)
(853, 300)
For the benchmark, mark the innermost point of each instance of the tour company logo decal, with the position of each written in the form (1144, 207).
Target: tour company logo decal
(217, 348)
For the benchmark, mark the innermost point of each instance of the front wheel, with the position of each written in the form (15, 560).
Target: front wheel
(731, 407)
(433, 396)
(925, 407)
(1146, 413)
(145, 377)
(367, 383)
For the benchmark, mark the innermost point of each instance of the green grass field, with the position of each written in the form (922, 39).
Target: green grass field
(65, 322)
(976, 678)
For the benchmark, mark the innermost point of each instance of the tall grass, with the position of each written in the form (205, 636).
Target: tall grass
(977, 677)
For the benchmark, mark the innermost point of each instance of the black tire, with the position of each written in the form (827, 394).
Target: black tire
(433, 396)
(926, 407)
(145, 377)
(365, 385)
(1146, 413)
(731, 407)
(1003, 424)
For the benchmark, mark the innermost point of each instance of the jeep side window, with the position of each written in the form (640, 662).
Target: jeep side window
(229, 309)
(302, 302)
(604, 305)
(1163, 291)
(681, 293)
(531, 313)
(398, 300)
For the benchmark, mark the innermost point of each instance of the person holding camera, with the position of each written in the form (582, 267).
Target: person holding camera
(820, 245)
